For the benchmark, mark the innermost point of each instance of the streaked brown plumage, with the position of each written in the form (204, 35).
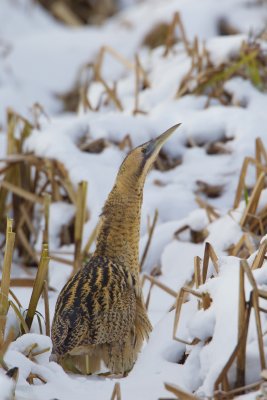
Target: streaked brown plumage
(100, 314)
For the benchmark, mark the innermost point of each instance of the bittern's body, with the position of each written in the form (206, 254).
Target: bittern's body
(100, 315)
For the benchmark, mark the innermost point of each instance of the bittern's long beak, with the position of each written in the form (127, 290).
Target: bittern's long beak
(156, 144)
(160, 140)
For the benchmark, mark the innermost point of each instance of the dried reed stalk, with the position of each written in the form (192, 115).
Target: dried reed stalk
(241, 356)
(115, 54)
(90, 241)
(116, 394)
(21, 282)
(209, 254)
(64, 13)
(212, 214)
(138, 71)
(26, 244)
(223, 375)
(46, 304)
(79, 223)
(239, 352)
(197, 271)
(241, 183)
(21, 192)
(38, 285)
(244, 242)
(221, 394)
(254, 199)
(150, 235)
(5, 283)
(47, 201)
(179, 392)
(255, 303)
(153, 281)
(260, 153)
(180, 299)
(111, 92)
(256, 293)
(4, 346)
(259, 259)
(61, 260)
(176, 21)
(25, 210)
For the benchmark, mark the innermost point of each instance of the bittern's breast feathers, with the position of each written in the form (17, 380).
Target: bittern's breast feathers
(96, 306)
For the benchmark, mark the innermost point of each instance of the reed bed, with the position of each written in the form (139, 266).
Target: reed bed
(26, 180)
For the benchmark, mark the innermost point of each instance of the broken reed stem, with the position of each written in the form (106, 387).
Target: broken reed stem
(11, 125)
(209, 253)
(4, 346)
(243, 331)
(161, 285)
(120, 58)
(180, 299)
(151, 231)
(5, 283)
(259, 259)
(176, 21)
(64, 13)
(137, 85)
(244, 242)
(223, 375)
(46, 305)
(254, 199)
(241, 356)
(220, 394)
(111, 92)
(255, 303)
(79, 223)
(38, 285)
(179, 392)
(17, 311)
(243, 173)
(90, 241)
(21, 192)
(197, 271)
(212, 214)
(47, 201)
(260, 153)
(116, 394)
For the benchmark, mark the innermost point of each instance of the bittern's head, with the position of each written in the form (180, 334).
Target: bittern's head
(139, 161)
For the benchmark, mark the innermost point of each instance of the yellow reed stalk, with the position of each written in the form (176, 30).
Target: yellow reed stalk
(179, 392)
(38, 285)
(241, 355)
(47, 314)
(79, 223)
(47, 200)
(151, 231)
(254, 199)
(90, 241)
(116, 394)
(5, 283)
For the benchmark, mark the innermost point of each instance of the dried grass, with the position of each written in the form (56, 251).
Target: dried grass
(38, 285)
(80, 12)
(206, 78)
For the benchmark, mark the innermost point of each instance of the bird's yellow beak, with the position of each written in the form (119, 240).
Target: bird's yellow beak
(160, 140)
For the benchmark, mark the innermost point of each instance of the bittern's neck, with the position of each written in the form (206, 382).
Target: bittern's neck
(119, 230)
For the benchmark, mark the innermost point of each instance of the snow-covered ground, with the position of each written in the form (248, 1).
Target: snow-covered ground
(40, 58)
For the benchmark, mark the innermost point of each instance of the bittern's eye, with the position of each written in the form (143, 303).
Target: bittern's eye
(144, 150)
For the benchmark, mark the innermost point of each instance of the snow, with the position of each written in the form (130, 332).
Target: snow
(39, 58)
(6, 385)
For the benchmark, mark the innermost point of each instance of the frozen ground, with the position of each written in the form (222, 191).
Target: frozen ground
(40, 58)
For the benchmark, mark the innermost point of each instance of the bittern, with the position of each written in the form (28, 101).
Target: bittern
(100, 317)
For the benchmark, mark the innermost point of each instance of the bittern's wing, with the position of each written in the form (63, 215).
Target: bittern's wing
(97, 306)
